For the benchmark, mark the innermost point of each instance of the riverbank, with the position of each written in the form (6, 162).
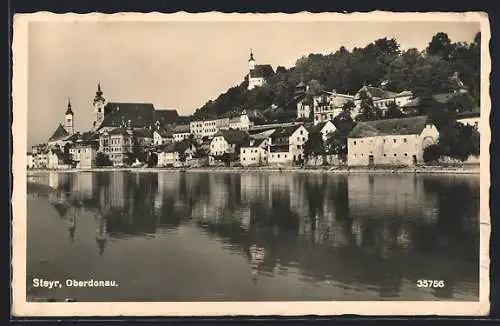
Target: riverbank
(466, 169)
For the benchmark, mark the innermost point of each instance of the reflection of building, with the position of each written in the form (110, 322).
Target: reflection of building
(101, 232)
(71, 220)
(257, 255)
(388, 195)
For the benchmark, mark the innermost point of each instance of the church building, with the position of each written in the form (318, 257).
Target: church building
(258, 74)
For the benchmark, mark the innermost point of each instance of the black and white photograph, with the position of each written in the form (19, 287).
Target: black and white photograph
(251, 164)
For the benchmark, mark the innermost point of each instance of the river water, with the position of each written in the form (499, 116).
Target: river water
(252, 236)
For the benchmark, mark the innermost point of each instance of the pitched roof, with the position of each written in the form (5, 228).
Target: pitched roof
(143, 133)
(180, 129)
(139, 114)
(59, 133)
(319, 126)
(234, 136)
(403, 126)
(441, 98)
(374, 92)
(121, 131)
(285, 131)
(166, 116)
(474, 113)
(279, 148)
(183, 145)
(261, 71)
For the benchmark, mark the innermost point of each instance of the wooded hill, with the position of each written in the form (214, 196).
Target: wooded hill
(382, 61)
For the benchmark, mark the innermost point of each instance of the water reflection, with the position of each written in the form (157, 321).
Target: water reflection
(372, 231)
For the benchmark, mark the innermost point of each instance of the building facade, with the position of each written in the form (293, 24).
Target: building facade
(390, 142)
(255, 153)
(208, 127)
(328, 105)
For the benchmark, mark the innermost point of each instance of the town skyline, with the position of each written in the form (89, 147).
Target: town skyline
(60, 68)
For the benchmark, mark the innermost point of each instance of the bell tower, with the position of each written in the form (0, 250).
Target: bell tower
(99, 103)
(251, 61)
(68, 119)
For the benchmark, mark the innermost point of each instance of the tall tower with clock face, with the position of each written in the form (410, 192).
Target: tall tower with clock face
(99, 103)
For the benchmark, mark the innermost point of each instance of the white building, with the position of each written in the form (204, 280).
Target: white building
(241, 123)
(382, 98)
(30, 163)
(56, 160)
(470, 118)
(255, 153)
(86, 155)
(294, 137)
(390, 142)
(279, 155)
(181, 132)
(227, 141)
(161, 137)
(208, 127)
(257, 74)
(176, 154)
(325, 128)
(329, 104)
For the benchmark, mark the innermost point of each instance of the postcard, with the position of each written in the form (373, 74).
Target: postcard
(211, 164)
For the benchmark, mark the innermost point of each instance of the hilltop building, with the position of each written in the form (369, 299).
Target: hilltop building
(258, 74)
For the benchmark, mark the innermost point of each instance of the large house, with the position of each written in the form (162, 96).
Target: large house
(258, 74)
(382, 98)
(110, 115)
(241, 122)
(227, 141)
(256, 151)
(181, 132)
(390, 142)
(288, 143)
(208, 127)
(162, 136)
(328, 105)
(117, 143)
(176, 154)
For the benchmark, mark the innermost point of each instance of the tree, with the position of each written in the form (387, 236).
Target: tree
(368, 111)
(459, 141)
(347, 108)
(314, 145)
(432, 153)
(152, 159)
(102, 160)
(393, 111)
(441, 46)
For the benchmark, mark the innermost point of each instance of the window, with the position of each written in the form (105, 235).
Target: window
(406, 154)
(394, 154)
(244, 159)
(394, 140)
(303, 138)
(278, 155)
(354, 144)
(385, 155)
(243, 151)
(301, 132)
(384, 140)
(405, 140)
(298, 146)
(285, 155)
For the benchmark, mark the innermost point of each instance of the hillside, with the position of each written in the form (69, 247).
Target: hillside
(423, 72)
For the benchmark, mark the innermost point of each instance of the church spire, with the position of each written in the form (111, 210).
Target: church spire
(251, 55)
(69, 110)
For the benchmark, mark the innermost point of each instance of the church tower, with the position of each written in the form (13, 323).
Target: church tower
(68, 121)
(99, 103)
(251, 61)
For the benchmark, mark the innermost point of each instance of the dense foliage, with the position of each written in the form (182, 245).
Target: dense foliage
(423, 72)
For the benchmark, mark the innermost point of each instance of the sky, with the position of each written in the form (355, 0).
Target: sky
(180, 65)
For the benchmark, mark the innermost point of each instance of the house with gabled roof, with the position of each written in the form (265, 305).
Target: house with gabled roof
(324, 128)
(292, 137)
(390, 142)
(227, 141)
(181, 132)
